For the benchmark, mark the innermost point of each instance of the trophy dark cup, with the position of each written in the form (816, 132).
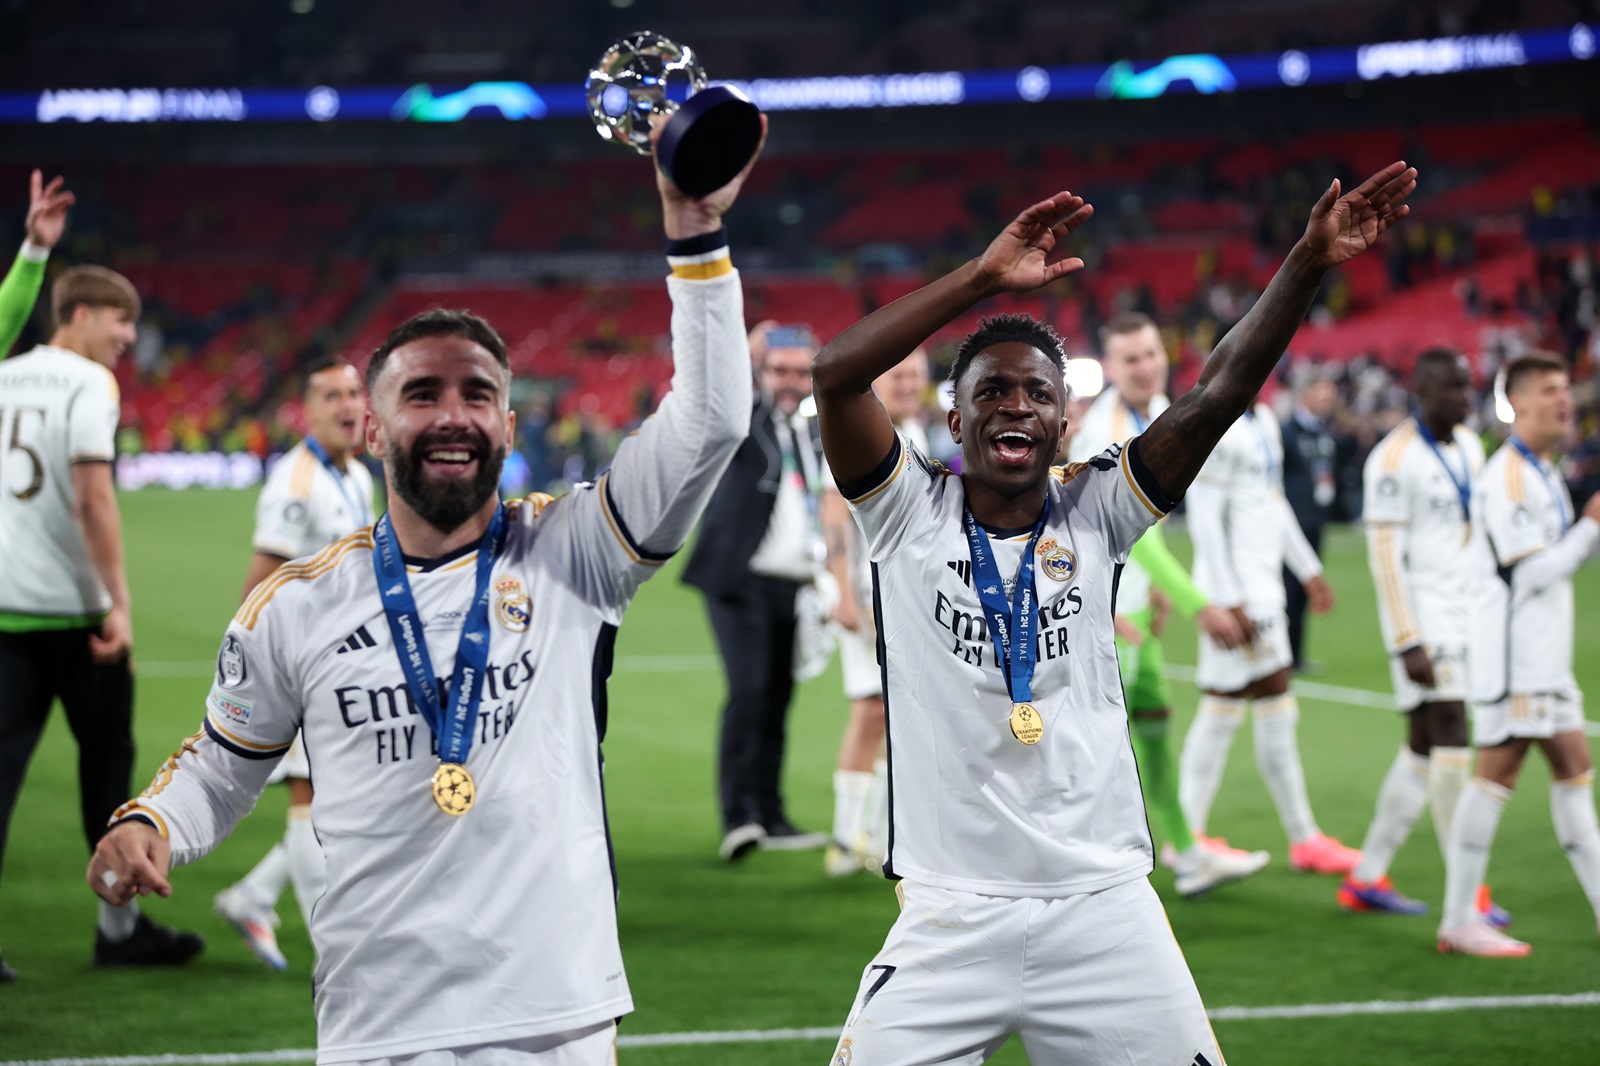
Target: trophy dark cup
(709, 137)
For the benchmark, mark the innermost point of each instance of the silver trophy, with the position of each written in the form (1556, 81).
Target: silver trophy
(708, 138)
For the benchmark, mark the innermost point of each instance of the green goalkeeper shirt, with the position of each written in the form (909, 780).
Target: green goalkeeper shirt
(18, 293)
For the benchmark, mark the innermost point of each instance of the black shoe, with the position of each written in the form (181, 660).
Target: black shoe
(740, 841)
(7, 974)
(782, 835)
(151, 944)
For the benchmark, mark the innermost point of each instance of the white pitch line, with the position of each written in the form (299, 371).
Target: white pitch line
(1355, 697)
(1436, 1005)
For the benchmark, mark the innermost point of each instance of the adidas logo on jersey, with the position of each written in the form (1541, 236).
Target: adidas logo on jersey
(357, 641)
(1200, 1060)
(963, 569)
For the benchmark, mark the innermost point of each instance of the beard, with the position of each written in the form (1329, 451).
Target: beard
(447, 504)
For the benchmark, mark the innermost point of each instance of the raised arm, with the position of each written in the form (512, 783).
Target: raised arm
(1341, 228)
(47, 219)
(664, 474)
(856, 431)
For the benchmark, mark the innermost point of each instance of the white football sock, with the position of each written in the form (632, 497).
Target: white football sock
(1277, 720)
(117, 923)
(1467, 859)
(266, 882)
(1400, 801)
(1205, 756)
(308, 867)
(1572, 811)
(1449, 771)
(851, 791)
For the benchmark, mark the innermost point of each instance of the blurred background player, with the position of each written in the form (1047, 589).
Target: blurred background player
(760, 542)
(47, 220)
(1244, 533)
(319, 492)
(66, 627)
(1418, 504)
(1135, 362)
(1525, 548)
(1309, 485)
(860, 783)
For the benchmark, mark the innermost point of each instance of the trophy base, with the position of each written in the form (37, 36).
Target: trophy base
(709, 140)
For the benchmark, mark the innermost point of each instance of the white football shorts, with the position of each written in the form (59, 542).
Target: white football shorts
(1231, 669)
(593, 1046)
(1095, 977)
(858, 656)
(1449, 678)
(1533, 717)
(294, 764)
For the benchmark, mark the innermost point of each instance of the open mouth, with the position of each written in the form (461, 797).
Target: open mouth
(451, 461)
(1013, 447)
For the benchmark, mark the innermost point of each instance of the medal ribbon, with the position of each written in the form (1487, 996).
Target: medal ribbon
(1557, 497)
(1011, 625)
(1463, 483)
(451, 722)
(358, 508)
(1139, 420)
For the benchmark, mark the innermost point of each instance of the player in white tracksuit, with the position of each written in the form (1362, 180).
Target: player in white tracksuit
(317, 493)
(1016, 821)
(1527, 542)
(470, 908)
(1244, 533)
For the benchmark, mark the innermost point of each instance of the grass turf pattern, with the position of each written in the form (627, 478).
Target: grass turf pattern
(772, 943)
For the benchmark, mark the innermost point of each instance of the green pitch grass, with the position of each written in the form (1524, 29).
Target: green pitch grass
(772, 943)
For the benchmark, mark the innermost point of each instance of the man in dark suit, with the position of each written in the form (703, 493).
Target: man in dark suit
(760, 542)
(1309, 485)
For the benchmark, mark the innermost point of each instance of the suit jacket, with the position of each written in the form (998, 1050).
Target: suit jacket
(740, 509)
(1304, 449)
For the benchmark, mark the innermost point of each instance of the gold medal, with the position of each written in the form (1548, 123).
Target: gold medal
(454, 790)
(1026, 725)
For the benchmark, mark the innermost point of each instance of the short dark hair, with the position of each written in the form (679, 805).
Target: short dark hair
(1127, 322)
(92, 287)
(439, 322)
(1434, 360)
(1008, 329)
(317, 366)
(1526, 366)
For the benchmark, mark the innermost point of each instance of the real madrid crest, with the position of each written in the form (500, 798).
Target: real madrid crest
(1057, 562)
(843, 1056)
(512, 605)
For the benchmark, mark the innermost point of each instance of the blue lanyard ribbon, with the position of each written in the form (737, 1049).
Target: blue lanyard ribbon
(1557, 497)
(1011, 625)
(1266, 448)
(1463, 483)
(452, 724)
(357, 507)
(1139, 421)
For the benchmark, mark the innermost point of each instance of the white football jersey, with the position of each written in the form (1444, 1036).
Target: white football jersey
(436, 931)
(56, 408)
(304, 506)
(1419, 534)
(971, 808)
(1525, 548)
(1109, 421)
(1243, 529)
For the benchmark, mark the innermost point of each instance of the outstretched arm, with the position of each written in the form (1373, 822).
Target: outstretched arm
(856, 431)
(1341, 228)
(47, 218)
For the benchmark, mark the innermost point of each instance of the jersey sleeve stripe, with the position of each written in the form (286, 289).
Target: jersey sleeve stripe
(1514, 478)
(243, 748)
(134, 811)
(316, 566)
(1143, 482)
(1395, 451)
(635, 550)
(300, 479)
(881, 476)
(1405, 626)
